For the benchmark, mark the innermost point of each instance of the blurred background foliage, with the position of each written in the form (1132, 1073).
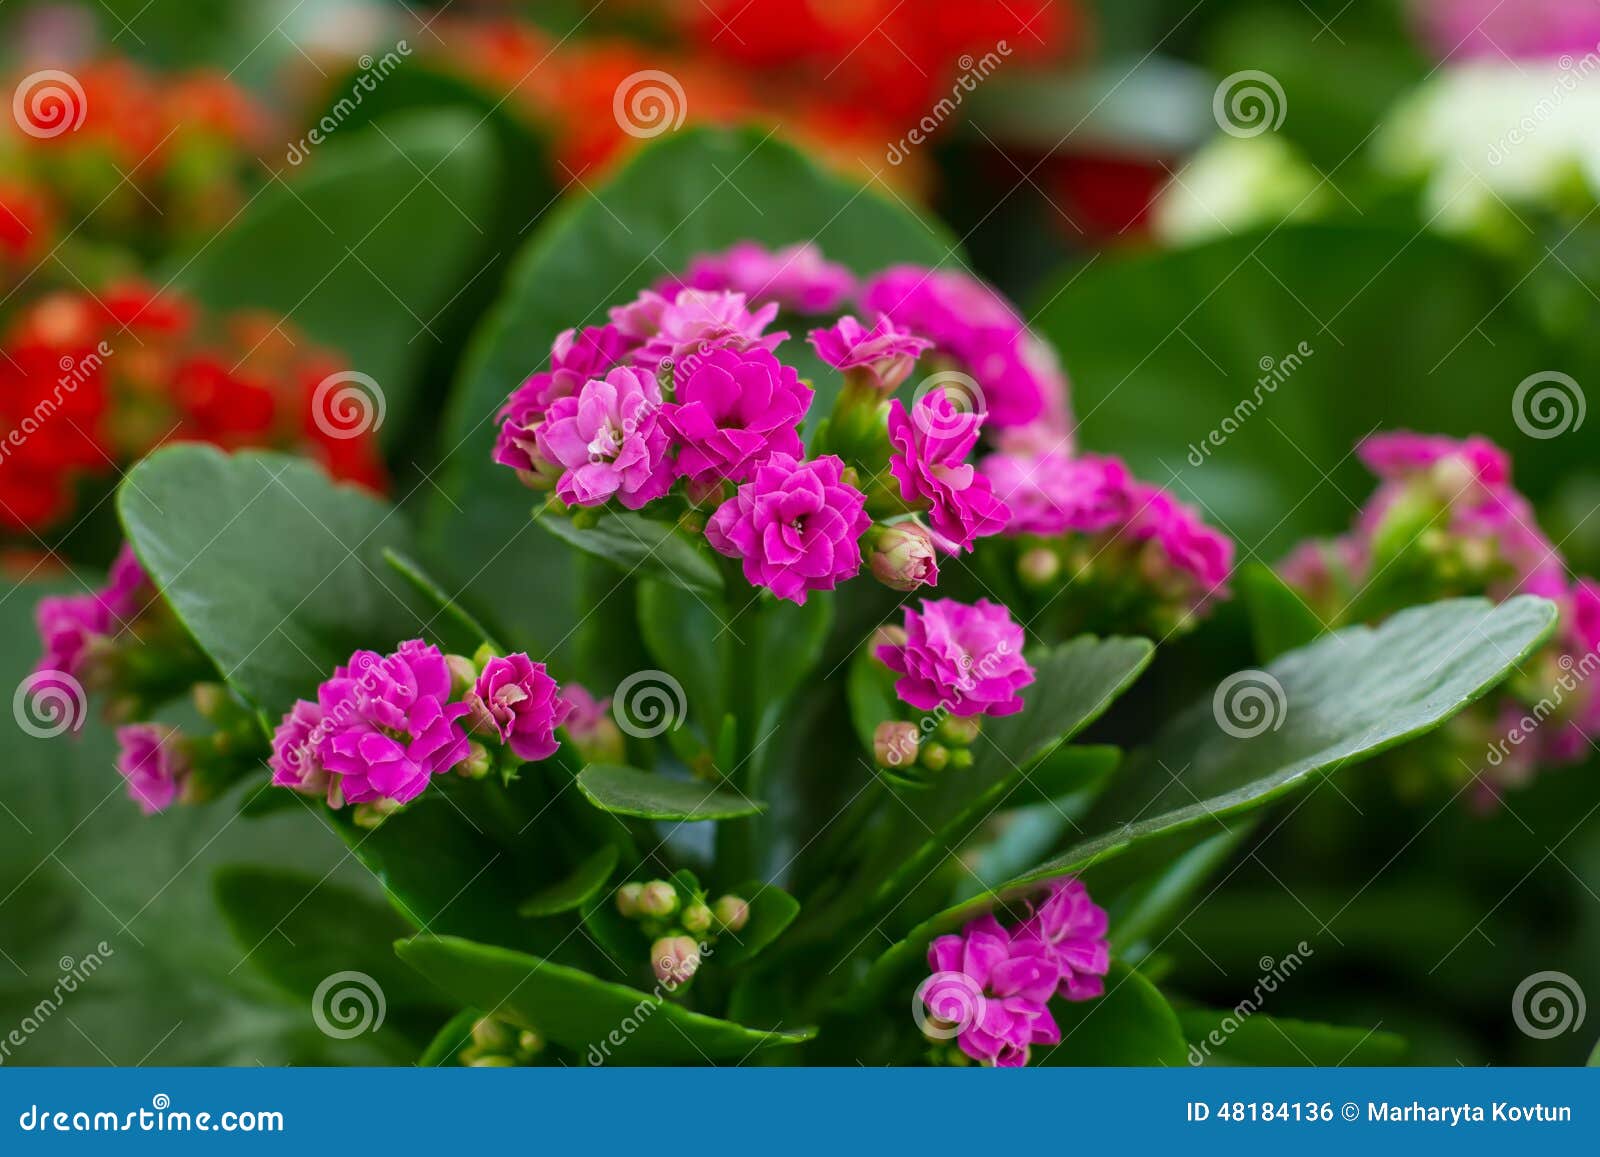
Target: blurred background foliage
(1171, 264)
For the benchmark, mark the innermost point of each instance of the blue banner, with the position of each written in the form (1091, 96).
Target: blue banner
(800, 1111)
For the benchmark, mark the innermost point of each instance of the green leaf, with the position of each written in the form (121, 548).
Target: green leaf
(1345, 698)
(468, 632)
(791, 639)
(1071, 769)
(870, 689)
(1405, 330)
(630, 792)
(1255, 1039)
(692, 191)
(586, 880)
(276, 571)
(1132, 1024)
(366, 250)
(450, 1040)
(1280, 620)
(639, 544)
(685, 637)
(601, 1022)
(772, 910)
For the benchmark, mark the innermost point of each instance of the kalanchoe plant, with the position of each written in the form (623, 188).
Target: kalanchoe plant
(765, 815)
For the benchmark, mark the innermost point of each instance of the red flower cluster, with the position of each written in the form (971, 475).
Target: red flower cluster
(91, 381)
(128, 152)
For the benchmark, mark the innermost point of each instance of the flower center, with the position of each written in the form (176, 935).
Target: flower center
(607, 441)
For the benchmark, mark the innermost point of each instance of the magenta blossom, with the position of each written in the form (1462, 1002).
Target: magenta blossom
(575, 358)
(797, 277)
(734, 410)
(993, 1000)
(515, 700)
(1187, 544)
(69, 625)
(151, 757)
(610, 440)
(295, 762)
(1050, 493)
(1402, 454)
(796, 526)
(1069, 930)
(964, 658)
(587, 713)
(389, 724)
(672, 332)
(882, 357)
(929, 448)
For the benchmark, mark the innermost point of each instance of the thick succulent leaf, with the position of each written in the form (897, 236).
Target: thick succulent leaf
(366, 250)
(1280, 620)
(576, 889)
(1345, 698)
(1223, 1037)
(277, 571)
(692, 191)
(601, 1022)
(629, 791)
(1132, 1024)
(641, 545)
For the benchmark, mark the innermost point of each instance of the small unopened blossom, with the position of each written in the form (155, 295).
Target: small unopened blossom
(895, 742)
(902, 557)
(515, 700)
(732, 912)
(795, 525)
(153, 760)
(696, 918)
(658, 899)
(966, 658)
(628, 899)
(877, 360)
(675, 959)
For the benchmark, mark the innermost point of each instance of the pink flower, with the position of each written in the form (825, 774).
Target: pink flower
(993, 999)
(797, 277)
(517, 701)
(971, 323)
(735, 409)
(610, 440)
(671, 332)
(1050, 493)
(1069, 931)
(151, 757)
(587, 712)
(928, 456)
(796, 526)
(965, 658)
(1187, 544)
(1502, 30)
(389, 723)
(70, 624)
(575, 357)
(294, 761)
(1401, 454)
(883, 356)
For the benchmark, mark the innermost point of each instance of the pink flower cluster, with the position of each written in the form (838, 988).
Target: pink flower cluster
(991, 986)
(965, 659)
(70, 626)
(1446, 514)
(383, 726)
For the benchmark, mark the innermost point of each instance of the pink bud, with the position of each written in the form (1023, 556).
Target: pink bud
(894, 743)
(903, 556)
(675, 959)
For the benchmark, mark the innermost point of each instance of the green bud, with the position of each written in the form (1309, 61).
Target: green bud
(935, 756)
(628, 899)
(1039, 567)
(463, 674)
(477, 764)
(697, 919)
(962, 732)
(732, 912)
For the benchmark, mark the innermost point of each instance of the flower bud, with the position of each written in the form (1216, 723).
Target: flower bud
(370, 815)
(477, 764)
(697, 919)
(529, 1044)
(599, 742)
(491, 1036)
(675, 959)
(211, 700)
(959, 731)
(658, 899)
(628, 899)
(935, 756)
(894, 743)
(902, 557)
(463, 674)
(1039, 567)
(732, 913)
